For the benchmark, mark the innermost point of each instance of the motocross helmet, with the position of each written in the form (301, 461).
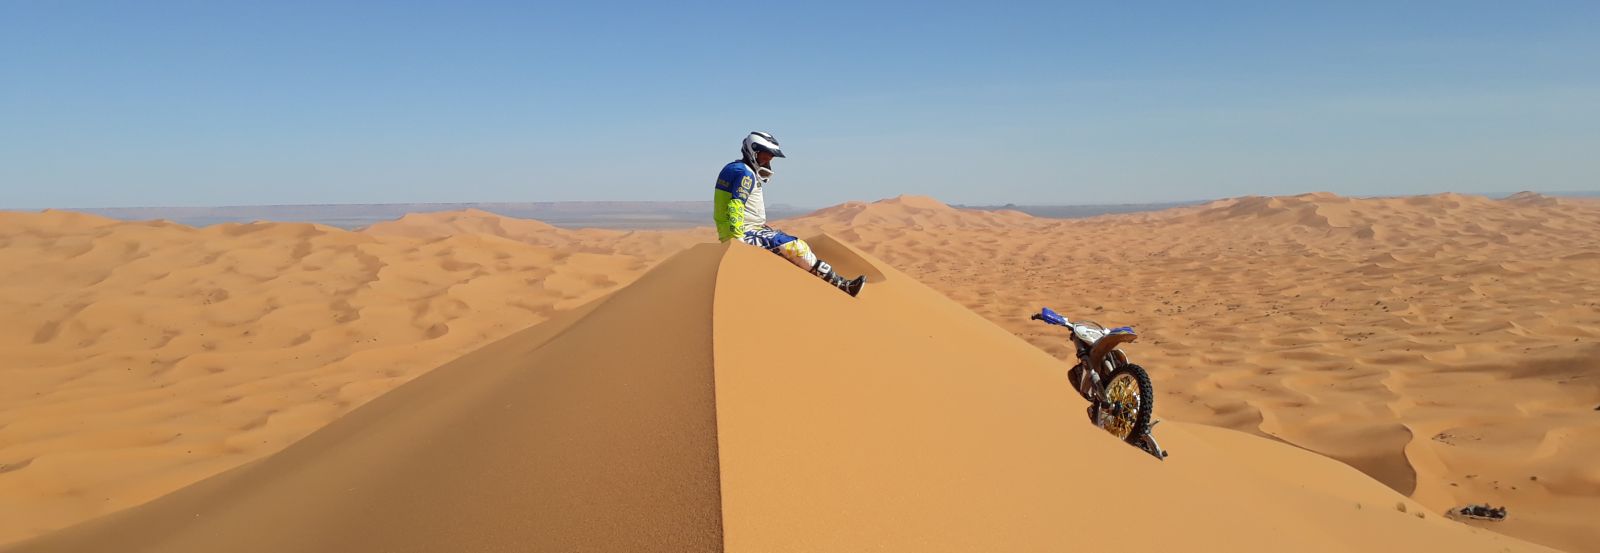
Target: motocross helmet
(758, 142)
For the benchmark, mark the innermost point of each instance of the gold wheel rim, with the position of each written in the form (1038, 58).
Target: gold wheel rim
(1123, 392)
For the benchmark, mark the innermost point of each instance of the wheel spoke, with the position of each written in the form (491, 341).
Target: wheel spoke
(1124, 400)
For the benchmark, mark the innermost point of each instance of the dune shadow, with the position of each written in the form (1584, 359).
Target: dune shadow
(844, 259)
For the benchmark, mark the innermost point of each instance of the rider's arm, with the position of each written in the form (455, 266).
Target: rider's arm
(733, 187)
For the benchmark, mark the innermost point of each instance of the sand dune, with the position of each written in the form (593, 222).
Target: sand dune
(141, 357)
(1444, 345)
(652, 244)
(924, 428)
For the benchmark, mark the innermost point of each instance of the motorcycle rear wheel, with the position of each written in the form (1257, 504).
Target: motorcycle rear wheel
(1129, 400)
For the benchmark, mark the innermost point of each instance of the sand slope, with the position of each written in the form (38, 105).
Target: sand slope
(545, 441)
(924, 428)
(1446, 344)
(141, 357)
(915, 425)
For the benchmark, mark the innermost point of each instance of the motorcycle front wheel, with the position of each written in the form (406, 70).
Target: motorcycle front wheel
(1128, 402)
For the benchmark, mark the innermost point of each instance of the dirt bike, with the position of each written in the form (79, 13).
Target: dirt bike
(1121, 398)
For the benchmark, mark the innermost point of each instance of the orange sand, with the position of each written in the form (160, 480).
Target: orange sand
(141, 357)
(1444, 345)
(933, 430)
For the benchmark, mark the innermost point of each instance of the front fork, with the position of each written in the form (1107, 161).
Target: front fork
(1089, 382)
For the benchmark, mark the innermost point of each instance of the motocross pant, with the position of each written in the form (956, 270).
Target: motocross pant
(791, 248)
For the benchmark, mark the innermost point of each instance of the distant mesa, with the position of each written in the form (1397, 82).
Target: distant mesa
(1533, 199)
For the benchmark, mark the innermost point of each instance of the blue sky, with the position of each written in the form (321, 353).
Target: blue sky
(216, 103)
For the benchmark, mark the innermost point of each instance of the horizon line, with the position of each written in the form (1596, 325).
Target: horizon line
(1566, 193)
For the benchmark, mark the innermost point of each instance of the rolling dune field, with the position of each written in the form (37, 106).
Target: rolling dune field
(1447, 346)
(554, 439)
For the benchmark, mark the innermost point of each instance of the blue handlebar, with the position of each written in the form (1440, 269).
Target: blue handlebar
(1051, 317)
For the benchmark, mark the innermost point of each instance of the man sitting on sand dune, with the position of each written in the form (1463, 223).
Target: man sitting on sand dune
(740, 212)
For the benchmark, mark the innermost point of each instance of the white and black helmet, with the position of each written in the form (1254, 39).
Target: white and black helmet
(760, 142)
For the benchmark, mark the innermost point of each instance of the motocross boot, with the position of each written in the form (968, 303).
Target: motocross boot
(850, 286)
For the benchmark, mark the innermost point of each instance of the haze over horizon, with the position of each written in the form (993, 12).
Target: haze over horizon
(178, 104)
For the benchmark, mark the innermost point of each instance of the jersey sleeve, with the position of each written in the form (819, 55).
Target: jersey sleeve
(733, 189)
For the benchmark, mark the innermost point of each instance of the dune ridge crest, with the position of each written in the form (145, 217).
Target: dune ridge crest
(904, 216)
